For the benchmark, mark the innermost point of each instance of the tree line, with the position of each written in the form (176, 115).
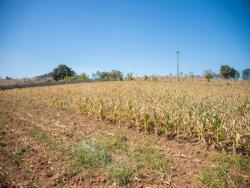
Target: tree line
(227, 72)
(63, 72)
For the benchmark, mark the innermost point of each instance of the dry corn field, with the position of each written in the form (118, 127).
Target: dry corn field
(145, 134)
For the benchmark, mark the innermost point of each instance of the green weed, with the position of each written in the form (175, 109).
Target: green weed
(90, 154)
(38, 134)
(227, 173)
(17, 156)
(213, 178)
(120, 172)
(152, 157)
(115, 143)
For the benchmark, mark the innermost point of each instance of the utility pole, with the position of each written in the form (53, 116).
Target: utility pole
(177, 52)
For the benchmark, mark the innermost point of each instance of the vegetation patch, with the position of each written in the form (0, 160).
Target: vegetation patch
(213, 178)
(120, 172)
(17, 156)
(228, 171)
(115, 143)
(4, 118)
(150, 157)
(90, 154)
(42, 137)
(237, 162)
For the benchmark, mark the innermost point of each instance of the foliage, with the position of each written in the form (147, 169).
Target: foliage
(114, 75)
(83, 76)
(61, 72)
(229, 72)
(8, 78)
(246, 74)
(227, 171)
(91, 154)
(236, 74)
(115, 143)
(215, 178)
(145, 77)
(120, 172)
(208, 74)
(129, 76)
(17, 156)
(152, 157)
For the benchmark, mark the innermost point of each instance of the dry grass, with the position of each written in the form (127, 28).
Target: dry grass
(216, 113)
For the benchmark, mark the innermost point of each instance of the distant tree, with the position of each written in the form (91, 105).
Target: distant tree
(108, 76)
(208, 74)
(246, 74)
(61, 72)
(8, 78)
(129, 76)
(225, 71)
(116, 75)
(145, 77)
(83, 76)
(228, 72)
(236, 74)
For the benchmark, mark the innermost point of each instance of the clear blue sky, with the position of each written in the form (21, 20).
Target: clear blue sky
(139, 36)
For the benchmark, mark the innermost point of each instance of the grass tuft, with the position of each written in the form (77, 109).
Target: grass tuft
(152, 157)
(17, 156)
(115, 143)
(120, 172)
(227, 173)
(213, 178)
(90, 154)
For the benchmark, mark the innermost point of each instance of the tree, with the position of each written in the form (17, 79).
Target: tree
(83, 76)
(228, 72)
(61, 72)
(246, 74)
(129, 76)
(236, 74)
(8, 78)
(208, 74)
(116, 75)
(108, 76)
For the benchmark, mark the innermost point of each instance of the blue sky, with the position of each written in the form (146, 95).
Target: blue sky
(139, 36)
